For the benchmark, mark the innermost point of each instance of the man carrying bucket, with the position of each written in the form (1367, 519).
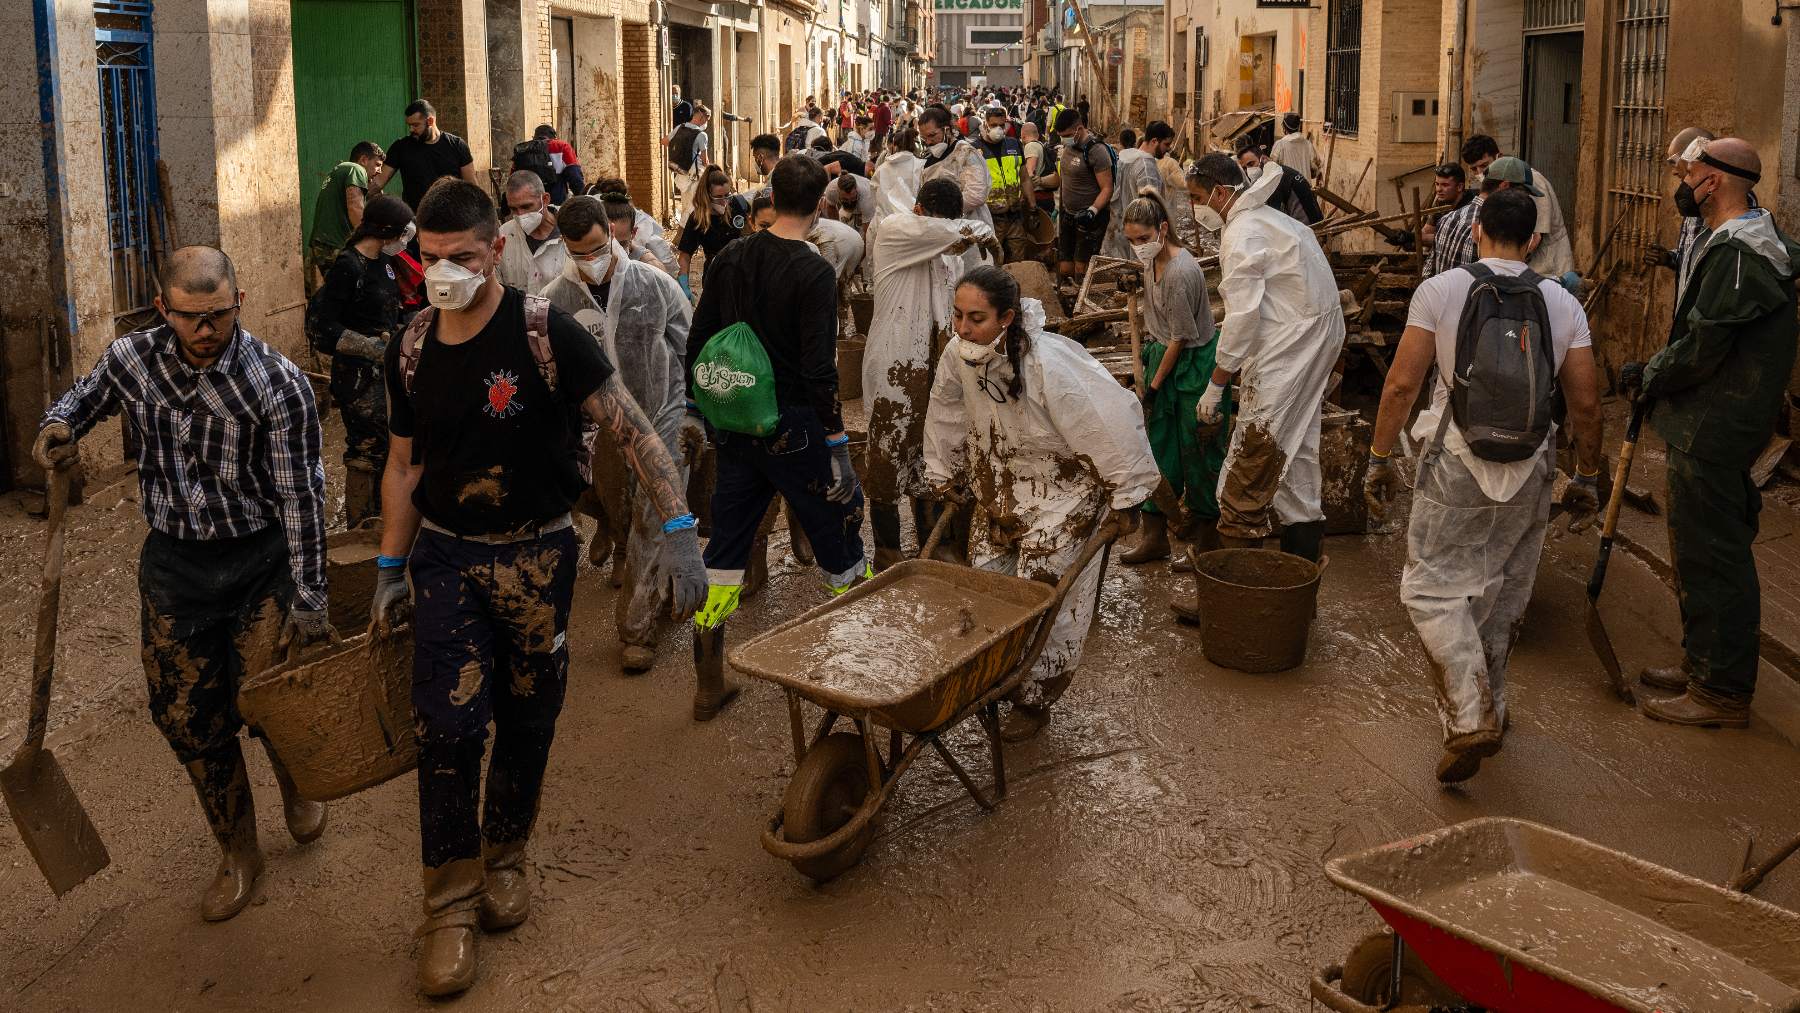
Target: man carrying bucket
(232, 485)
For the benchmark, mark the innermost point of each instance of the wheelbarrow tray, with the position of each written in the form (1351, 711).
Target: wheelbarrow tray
(907, 650)
(1518, 917)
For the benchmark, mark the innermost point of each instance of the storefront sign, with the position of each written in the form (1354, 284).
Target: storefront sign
(1294, 4)
(979, 5)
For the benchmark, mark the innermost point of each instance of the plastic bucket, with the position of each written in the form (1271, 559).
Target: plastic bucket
(1256, 607)
(849, 365)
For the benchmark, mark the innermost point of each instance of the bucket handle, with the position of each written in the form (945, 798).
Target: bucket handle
(377, 702)
(1324, 561)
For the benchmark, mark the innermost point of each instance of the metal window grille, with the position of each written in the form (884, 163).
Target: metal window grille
(1554, 15)
(128, 147)
(1639, 134)
(1343, 65)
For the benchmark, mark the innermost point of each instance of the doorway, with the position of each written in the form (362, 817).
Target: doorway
(562, 78)
(1552, 115)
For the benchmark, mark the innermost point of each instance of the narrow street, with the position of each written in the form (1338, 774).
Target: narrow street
(1161, 848)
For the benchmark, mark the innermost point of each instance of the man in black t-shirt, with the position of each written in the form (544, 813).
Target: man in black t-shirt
(485, 390)
(424, 156)
(778, 284)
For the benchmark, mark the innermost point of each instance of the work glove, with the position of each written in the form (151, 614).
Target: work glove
(1659, 256)
(357, 345)
(392, 605)
(1381, 483)
(1209, 412)
(686, 286)
(1122, 522)
(843, 475)
(54, 449)
(679, 563)
(1631, 379)
(303, 628)
(1581, 501)
(947, 492)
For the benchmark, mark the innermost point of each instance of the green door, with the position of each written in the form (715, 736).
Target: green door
(354, 73)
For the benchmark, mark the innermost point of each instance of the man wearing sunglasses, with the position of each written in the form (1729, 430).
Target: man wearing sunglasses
(233, 487)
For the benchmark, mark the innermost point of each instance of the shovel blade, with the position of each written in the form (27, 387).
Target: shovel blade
(1609, 660)
(54, 826)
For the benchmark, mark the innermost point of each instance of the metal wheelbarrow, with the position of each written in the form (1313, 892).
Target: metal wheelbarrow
(920, 649)
(1514, 917)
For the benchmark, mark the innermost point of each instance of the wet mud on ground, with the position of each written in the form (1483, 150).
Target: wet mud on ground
(1161, 848)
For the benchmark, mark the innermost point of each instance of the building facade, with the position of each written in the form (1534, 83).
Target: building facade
(980, 43)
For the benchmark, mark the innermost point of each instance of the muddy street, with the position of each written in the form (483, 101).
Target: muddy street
(1161, 848)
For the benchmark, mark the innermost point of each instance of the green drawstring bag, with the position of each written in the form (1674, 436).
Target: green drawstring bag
(734, 384)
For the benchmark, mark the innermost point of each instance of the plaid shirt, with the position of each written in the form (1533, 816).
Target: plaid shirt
(223, 451)
(1455, 244)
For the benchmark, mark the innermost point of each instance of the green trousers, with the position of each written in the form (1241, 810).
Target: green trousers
(1712, 522)
(1191, 465)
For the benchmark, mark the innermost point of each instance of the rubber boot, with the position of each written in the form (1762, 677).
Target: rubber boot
(712, 691)
(224, 789)
(1153, 544)
(1304, 540)
(506, 899)
(1023, 721)
(447, 940)
(885, 519)
(361, 493)
(797, 540)
(1231, 542)
(1206, 539)
(618, 564)
(1463, 755)
(305, 818)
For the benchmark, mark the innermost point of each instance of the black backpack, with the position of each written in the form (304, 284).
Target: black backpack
(534, 156)
(681, 146)
(1504, 394)
(796, 140)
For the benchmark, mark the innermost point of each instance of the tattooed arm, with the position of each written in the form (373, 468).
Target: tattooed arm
(618, 413)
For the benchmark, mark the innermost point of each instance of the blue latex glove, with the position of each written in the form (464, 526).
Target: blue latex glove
(686, 288)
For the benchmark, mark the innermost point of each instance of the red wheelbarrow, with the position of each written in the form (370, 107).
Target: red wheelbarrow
(920, 649)
(1513, 917)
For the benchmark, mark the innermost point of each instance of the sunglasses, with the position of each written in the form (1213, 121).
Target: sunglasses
(210, 318)
(993, 390)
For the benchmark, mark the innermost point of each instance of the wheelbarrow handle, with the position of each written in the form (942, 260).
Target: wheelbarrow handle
(1102, 537)
(1323, 989)
(940, 528)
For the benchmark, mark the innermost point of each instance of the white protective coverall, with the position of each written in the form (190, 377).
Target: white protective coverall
(526, 269)
(1282, 333)
(965, 165)
(1044, 470)
(1135, 171)
(841, 245)
(917, 263)
(646, 235)
(897, 184)
(644, 330)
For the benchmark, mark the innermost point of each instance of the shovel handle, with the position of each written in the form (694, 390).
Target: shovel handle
(1622, 471)
(43, 657)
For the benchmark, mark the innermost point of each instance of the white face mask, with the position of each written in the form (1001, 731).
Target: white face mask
(530, 222)
(393, 246)
(1253, 173)
(1146, 252)
(1207, 218)
(593, 271)
(977, 354)
(451, 286)
(994, 134)
(938, 149)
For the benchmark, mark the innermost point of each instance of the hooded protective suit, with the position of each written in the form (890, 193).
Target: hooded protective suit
(526, 269)
(644, 330)
(897, 184)
(1282, 333)
(917, 263)
(646, 235)
(965, 165)
(1135, 171)
(841, 245)
(1044, 469)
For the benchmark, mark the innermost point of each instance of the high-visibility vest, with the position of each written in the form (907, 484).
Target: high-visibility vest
(1006, 170)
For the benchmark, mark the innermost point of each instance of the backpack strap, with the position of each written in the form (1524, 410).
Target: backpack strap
(537, 332)
(412, 345)
(1479, 270)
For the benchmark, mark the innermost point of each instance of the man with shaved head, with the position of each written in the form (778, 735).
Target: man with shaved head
(1714, 392)
(1692, 227)
(232, 484)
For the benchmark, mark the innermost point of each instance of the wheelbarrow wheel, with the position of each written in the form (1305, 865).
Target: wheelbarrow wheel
(1369, 976)
(827, 789)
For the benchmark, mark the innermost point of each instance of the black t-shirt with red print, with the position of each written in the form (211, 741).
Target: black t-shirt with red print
(498, 449)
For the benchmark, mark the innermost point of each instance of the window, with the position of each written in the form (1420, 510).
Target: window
(994, 38)
(1343, 65)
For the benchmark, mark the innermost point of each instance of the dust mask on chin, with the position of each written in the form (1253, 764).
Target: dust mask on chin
(978, 354)
(451, 286)
(528, 223)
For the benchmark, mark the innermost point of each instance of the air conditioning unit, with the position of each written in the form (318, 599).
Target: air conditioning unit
(1415, 117)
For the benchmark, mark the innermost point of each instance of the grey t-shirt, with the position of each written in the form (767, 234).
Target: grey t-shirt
(1176, 308)
(1079, 185)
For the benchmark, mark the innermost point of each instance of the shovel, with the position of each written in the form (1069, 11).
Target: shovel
(54, 826)
(1596, 630)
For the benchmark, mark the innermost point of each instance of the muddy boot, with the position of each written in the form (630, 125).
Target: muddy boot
(797, 540)
(362, 493)
(453, 894)
(756, 574)
(884, 518)
(305, 819)
(1228, 542)
(506, 900)
(1463, 755)
(636, 659)
(1698, 708)
(1673, 679)
(224, 789)
(711, 689)
(618, 565)
(1153, 544)
(1023, 722)
(1304, 540)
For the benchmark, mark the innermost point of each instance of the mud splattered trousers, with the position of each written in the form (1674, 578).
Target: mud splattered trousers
(210, 613)
(645, 597)
(1470, 566)
(1047, 562)
(361, 396)
(1713, 512)
(490, 624)
(1189, 463)
(794, 462)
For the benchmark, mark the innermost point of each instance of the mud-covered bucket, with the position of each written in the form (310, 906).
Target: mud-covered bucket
(1256, 607)
(849, 365)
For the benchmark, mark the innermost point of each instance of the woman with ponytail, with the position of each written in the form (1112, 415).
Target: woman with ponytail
(1178, 361)
(1048, 446)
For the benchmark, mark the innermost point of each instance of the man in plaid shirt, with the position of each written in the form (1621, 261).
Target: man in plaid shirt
(1455, 244)
(233, 487)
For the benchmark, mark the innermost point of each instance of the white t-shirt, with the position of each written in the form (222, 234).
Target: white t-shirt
(1437, 306)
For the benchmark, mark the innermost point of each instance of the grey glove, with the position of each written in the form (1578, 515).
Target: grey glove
(357, 345)
(54, 449)
(680, 565)
(1581, 501)
(392, 605)
(843, 475)
(303, 629)
(1380, 484)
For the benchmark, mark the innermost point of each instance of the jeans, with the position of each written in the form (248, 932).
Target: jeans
(794, 462)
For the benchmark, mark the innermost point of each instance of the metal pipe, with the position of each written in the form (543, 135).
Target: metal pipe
(56, 194)
(1458, 67)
